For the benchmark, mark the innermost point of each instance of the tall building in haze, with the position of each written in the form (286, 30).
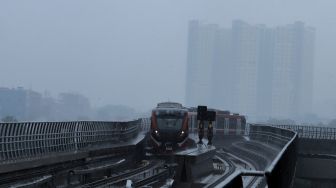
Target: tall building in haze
(245, 67)
(292, 72)
(201, 51)
(256, 70)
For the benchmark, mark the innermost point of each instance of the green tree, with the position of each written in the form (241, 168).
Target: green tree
(9, 119)
(281, 121)
(332, 123)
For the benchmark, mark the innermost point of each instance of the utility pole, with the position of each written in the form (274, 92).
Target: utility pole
(211, 116)
(204, 115)
(201, 116)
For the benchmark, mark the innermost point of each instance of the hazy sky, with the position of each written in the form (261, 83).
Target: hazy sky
(134, 52)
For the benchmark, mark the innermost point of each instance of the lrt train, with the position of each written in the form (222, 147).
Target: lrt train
(226, 123)
(171, 123)
(230, 124)
(169, 126)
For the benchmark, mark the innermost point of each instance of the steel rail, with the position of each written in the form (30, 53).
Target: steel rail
(226, 175)
(152, 179)
(120, 177)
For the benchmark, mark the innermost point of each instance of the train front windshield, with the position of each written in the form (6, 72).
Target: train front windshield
(172, 121)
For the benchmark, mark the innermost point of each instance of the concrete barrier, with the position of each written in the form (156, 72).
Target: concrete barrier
(281, 172)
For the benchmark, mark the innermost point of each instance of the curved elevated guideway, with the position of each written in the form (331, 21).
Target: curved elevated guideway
(255, 152)
(94, 154)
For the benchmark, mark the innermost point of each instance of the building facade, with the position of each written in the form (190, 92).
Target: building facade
(201, 51)
(292, 72)
(252, 69)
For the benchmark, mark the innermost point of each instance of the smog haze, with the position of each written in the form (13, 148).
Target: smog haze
(134, 53)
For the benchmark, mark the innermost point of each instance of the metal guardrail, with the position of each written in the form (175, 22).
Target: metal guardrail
(311, 132)
(29, 140)
(145, 124)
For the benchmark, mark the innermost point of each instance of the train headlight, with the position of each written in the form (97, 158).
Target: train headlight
(157, 134)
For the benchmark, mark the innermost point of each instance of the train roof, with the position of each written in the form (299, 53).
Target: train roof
(223, 113)
(169, 105)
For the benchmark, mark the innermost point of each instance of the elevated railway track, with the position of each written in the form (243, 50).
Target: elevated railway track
(121, 177)
(93, 142)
